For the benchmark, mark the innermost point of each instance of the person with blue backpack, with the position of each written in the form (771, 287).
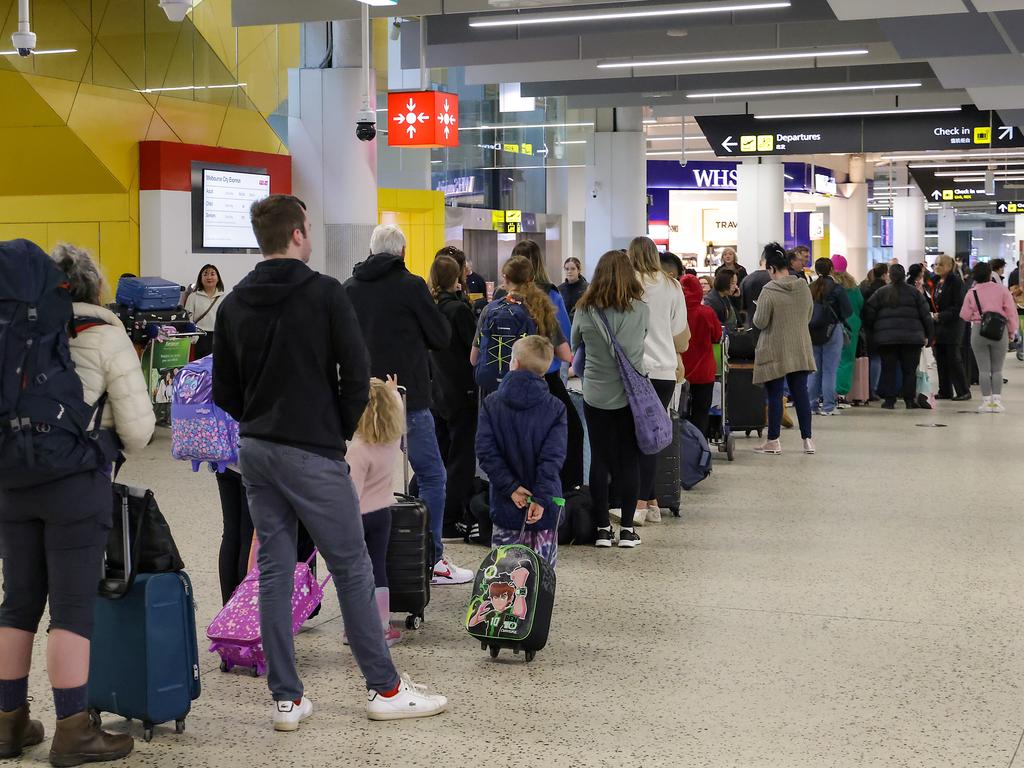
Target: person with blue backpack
(72, 394)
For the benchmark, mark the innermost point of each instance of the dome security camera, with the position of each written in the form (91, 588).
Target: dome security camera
(176, 10)
(366, 125)
(24, 42)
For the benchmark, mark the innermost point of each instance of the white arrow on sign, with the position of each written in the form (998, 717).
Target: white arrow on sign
(936, 195)
(544, 151)
(1006, 132)
(728, 144)
(1002, 208)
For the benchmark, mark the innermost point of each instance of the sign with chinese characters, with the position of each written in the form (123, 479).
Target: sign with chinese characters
(423, 119)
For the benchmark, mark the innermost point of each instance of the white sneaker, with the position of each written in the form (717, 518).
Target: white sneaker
(808, 446)
(411, 701)
(446, 572)
(654, 514)
(996, 405)
(288, 714)
(615, 512)
(639, 517)
(986, 406)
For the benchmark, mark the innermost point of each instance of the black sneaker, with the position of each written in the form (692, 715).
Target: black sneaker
(962, 398)
(604, 537)
(889, 405)
(628, 538)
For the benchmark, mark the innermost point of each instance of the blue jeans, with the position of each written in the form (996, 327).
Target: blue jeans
(425, 458)
(822, 383)
(874, 374)
(774, 392)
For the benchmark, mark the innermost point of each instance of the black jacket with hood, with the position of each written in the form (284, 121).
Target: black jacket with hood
(454, 384)
(400, 323)
(908, 321)
(289, 362)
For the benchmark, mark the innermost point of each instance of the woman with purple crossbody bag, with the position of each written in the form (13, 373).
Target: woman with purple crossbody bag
(611, 319)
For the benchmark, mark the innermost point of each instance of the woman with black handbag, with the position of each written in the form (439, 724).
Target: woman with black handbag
(992, 313)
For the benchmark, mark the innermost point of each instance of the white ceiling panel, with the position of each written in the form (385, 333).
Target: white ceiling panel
(986, 6)
(889, 9)
(967, 71)
(999, 97)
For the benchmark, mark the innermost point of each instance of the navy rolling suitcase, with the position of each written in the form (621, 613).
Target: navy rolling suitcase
(667, 473)
(144, 663)
(148, 293)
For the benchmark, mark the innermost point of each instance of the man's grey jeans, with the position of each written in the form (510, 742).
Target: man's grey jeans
(285, 484)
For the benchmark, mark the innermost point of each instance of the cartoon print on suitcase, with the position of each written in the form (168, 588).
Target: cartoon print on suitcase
(512, 600)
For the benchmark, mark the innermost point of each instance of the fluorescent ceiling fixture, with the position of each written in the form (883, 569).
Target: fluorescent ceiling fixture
(190, 88)
(42, 53)
(656, 124)
(954, 155)
(574, 141)
(931, 235)
(379, 3)
(889, 189)
(532, 125)
(980, 179)
(524, 167)
(810, 89)
(678, 153)
(732, 59)
(857, 113)
(983, 164)
(698, 137)
(978, 174)
(616, 15)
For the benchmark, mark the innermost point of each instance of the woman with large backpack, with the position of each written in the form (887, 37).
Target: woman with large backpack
(828, 321)
(53, 535)
(615, 295)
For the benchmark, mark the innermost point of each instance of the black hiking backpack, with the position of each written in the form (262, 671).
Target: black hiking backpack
(44, 420)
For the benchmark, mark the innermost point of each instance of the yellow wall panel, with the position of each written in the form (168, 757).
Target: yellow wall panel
(50, 160)
(117, 255)
(73, 208)
(34, 232)
(194, 123)
(245, 129)
(21, 106)
(58, 94)
(84, 235)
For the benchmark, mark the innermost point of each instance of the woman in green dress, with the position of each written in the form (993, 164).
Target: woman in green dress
(844, 377)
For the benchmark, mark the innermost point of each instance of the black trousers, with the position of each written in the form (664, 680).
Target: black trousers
(237, 537)
(950, 364)
(899, 371)
(456, 439)
(649, 464)
(572, 469)
(203, 346)
(701, 396)
(614, 453)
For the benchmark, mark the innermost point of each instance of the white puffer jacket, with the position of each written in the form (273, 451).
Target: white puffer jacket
(107, 362)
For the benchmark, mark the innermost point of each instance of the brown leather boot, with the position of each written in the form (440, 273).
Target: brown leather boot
(17, 731)
(79, 740)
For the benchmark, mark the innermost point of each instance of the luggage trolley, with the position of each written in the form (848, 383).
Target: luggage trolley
(723, 439)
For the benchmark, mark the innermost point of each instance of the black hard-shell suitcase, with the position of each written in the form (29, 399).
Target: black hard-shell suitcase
(512, 601)
(410, 560)
(745, 404)
(667, 474)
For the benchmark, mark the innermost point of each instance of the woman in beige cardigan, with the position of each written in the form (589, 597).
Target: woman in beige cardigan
(784, 354)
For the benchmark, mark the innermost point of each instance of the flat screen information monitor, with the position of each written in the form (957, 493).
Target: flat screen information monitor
(227, 196)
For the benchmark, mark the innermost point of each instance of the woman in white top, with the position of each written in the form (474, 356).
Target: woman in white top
(667, 338)
(202, 305)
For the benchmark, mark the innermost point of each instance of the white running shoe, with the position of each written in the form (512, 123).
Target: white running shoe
(288, 714)
(411, 701)
(772, 447)
(640, 516)
(996, 404)
(653, 514)
(986, 406)
(446, 572)
(808, 446)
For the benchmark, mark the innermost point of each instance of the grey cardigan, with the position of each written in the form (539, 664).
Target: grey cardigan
(602, 383)
(784, 309)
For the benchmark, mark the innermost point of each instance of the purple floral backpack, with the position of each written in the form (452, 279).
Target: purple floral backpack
(650, 417)
(200, 431)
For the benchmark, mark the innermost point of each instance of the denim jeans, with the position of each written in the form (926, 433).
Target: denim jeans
(822, 383)
(773, 390)
(874, 374)
(425, 458)
(284, 485)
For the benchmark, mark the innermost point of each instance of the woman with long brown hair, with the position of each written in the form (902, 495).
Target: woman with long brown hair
(615, 296)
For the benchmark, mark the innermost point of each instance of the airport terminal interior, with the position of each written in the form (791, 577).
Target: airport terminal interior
(851, 600)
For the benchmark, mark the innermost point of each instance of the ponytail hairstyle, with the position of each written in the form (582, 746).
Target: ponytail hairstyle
(444, 275)
(821, 286)
(383, 420)
(518, 273)
(774, 257)
(897, 277)
(530, 250)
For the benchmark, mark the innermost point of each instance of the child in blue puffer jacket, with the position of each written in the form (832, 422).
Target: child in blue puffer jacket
(521, 443)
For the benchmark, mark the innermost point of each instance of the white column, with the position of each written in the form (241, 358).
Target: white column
(947, 231)
(908, 221)
(857, 218)
(616, 184)
(760, 204)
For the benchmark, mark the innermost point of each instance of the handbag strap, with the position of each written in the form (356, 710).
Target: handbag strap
(208, 309)
(981, 312)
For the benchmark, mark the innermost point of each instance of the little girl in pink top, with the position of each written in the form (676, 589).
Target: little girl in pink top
(372, 456)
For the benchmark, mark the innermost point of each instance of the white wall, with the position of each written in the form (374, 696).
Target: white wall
(165, 242)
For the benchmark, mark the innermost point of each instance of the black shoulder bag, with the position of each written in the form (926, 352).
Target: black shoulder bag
(993, 324)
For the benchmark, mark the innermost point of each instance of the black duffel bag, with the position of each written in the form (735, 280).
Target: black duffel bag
(743, 343)
(139, 537)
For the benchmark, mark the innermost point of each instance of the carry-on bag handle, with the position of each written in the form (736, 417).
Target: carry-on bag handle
(559, 502)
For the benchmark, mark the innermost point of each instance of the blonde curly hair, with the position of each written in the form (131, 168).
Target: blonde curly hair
(383, 421)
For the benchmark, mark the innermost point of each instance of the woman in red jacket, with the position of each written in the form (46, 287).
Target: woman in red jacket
(699, 358)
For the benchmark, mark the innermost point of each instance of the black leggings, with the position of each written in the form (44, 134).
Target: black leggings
(377, 533)
(950, 365)
(572, 468)
(701, 397)
(614, 452)
(649, 464)
(237, 537)
(52, 540)
(899, 371)
(456, 439)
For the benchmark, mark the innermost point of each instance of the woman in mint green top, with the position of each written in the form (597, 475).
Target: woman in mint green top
(617, 292)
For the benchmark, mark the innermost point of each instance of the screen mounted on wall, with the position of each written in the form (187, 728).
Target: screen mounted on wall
(221, 198)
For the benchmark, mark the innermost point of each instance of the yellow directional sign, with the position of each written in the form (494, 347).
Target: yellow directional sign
(526, 149)
(748, 143)
(513, 217)
(947, 194)
(982, 135)
(766, 143)
(513, 148)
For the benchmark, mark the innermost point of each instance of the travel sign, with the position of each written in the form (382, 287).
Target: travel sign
(970, 128)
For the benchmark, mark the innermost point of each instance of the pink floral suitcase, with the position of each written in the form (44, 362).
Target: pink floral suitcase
(235, 633)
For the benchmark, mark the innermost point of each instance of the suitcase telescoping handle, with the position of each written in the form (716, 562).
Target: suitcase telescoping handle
(559, 502)
(405, 441)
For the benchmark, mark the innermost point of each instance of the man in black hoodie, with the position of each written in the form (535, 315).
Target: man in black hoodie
(290, 366)
(401, 324)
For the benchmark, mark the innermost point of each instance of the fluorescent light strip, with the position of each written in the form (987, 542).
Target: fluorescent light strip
(954, 155)
(532, 125)
(978, 174)
(698, 137)
(733, 59)
(857, 113)
(889, 189)
(42, 53)
(524, 167)
(656, 124)
(379, 3)
(574, 141)
(678, 153)
(815, 89)
(616, 15)
(983, 164)
(190, 88)
(979, 179)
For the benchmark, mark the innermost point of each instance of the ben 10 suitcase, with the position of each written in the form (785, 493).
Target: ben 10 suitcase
(410, 560)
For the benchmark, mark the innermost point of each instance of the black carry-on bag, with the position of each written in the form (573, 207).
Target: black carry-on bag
(410, 550)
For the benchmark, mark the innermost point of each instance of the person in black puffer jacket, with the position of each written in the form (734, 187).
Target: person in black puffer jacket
(454, 391)
(949, 332)
(901, 324)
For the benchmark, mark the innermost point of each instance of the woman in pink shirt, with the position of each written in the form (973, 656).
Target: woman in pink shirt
(987, 296)
(372, 456)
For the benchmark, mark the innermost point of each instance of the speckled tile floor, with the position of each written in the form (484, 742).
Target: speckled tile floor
(861, 607)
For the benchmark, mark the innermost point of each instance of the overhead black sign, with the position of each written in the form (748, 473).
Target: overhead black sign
(1009, 206)
(970, 128)
(942, 189)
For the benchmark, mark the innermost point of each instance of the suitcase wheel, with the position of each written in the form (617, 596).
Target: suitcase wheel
(529, 656)
(255, 671)
(147, 731)
(494, 651)
(224, 667)
(179, 726)
(413, 622)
